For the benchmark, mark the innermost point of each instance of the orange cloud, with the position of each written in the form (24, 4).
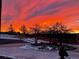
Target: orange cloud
(41, 12)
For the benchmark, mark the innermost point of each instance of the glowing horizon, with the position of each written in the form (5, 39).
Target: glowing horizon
(41, 12)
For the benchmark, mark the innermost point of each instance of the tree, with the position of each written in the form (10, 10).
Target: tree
(60, 30)
(11, 29)
(23, 31)
(36, 31)
(49, 32)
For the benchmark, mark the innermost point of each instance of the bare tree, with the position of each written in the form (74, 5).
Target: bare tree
(58, 28)
(49, 32)
(36, 31)
(23, 31)
(11, 29)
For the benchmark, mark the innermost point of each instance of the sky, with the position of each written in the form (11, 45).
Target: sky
(41, 12)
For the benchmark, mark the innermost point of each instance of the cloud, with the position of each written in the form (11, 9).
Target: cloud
(53, 6)
(73, 14)
(17, 9)
(77, 21)
(37, 7)
(8, 2)
(7, 17)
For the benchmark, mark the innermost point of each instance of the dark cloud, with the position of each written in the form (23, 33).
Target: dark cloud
(17, 9)
(7, 17)
(39, 8)
(43, 10)
(9, 1)
(53, 6)
(38, 5)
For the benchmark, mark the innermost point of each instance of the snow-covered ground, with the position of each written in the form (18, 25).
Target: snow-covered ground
(18, 51)
(7, 36)
(15, 37)
(25, 51)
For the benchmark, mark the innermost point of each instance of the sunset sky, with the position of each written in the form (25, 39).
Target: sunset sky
(41, 12)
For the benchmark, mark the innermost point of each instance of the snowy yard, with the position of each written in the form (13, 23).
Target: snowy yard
(18, 51)
(25, 51)
(15, 37)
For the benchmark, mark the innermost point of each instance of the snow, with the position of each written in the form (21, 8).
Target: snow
(32, 40)
(15, 37)
(50, 48)
(7, 36)
(28, 52)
